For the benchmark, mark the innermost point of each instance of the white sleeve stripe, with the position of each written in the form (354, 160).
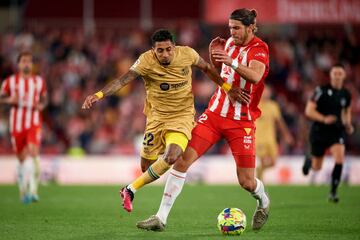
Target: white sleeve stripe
(225, 108)
(216, 102)
(19, 115)
(31, 90)
(12, 112)
(317, 95)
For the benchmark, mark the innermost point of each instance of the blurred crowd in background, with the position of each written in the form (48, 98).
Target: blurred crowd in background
(75, 65)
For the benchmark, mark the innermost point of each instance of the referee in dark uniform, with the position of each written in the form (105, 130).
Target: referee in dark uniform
(330, 110)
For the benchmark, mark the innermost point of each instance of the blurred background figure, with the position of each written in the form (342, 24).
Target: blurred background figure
(26, 94)
(330, 110)
(267, 126)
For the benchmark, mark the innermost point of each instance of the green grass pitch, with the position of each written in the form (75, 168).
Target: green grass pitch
(94, 212)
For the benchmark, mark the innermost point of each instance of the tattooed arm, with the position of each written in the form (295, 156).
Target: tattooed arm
(112, 87)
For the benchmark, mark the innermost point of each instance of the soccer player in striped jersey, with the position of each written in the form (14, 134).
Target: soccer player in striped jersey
(27, 96)
(245, 64)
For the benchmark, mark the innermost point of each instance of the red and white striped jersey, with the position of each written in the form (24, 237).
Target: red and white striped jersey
(219, 103)
(24, 115)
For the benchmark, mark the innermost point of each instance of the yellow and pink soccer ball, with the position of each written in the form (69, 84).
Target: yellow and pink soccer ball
(231, 221)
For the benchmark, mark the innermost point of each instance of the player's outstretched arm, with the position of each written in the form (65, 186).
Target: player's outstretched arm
(235, 94)
(253, 73)
(112, 87)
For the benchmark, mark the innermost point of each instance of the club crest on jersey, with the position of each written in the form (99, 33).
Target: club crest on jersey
(185, 71)
(247, 130)
(330, 92)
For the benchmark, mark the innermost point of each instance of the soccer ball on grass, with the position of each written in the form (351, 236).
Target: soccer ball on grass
(231, 221)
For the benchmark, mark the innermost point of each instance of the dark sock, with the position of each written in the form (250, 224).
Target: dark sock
(335, 177)
(307, 165)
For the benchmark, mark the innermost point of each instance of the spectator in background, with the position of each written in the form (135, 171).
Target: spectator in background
(78, 65)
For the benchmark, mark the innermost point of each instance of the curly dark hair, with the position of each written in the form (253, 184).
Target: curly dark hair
(162, 35)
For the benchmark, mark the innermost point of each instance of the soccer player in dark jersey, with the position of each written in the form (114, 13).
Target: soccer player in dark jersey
(330, 110)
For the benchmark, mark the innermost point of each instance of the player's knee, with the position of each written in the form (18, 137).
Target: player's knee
(144, 167)
(271, 163)
(32, 154)
(316, 166)
(171, 159)
(21, 158)
(145, 164)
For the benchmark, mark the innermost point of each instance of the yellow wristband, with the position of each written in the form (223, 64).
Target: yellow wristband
(99, 94)
(226, 86)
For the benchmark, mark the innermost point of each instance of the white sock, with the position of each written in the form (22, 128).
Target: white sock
(131, 188)
(21, 180)
(259, 194)
(173, 187)
(34, 176)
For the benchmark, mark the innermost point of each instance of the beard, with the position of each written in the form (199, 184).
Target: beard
(165, 63)
(26, 70)
(242, 40)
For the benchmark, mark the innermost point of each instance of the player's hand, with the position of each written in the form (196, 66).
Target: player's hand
(40, 106)
(349, 129)
(238, 95)
(12, 100)
(329, 119)
(221, 56)
(89, 101)
(289, 139)
(217, 43)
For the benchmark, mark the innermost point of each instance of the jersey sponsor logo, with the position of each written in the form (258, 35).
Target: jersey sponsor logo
(178, 85)
(260, 55)
(247, 139)
(164, 86)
